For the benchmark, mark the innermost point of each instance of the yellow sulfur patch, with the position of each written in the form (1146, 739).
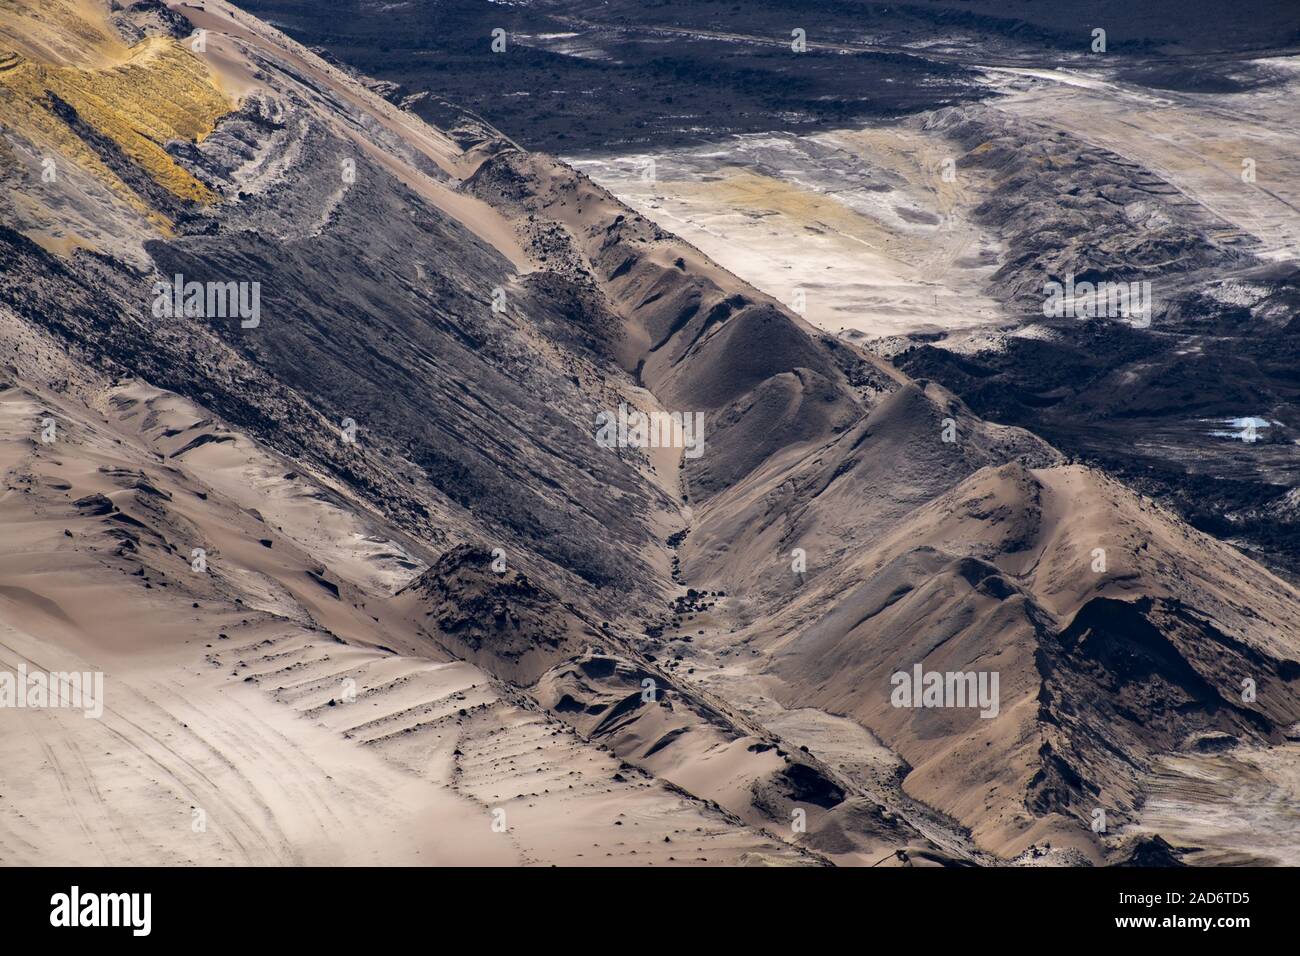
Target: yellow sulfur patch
(160, 92)
(139, 97)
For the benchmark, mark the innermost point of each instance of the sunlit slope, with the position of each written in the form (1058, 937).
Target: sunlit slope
(73, 94)
(62, 32)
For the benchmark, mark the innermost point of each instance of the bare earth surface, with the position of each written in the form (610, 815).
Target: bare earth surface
(475, 636)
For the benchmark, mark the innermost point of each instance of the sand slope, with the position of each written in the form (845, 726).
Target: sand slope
(677, 660)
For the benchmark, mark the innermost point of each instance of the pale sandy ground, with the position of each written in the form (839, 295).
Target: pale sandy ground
(862, 221)
(1196, 142)
(238, 712)
(1240, 808)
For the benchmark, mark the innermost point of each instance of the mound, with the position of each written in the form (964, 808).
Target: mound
(1114, 632)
